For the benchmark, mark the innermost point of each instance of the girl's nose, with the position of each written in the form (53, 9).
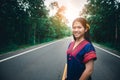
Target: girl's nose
(76, 29)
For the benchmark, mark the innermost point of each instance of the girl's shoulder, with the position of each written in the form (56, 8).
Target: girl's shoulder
(72, 42)
(89, 47)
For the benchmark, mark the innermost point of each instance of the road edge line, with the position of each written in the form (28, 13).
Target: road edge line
(8, 58)
(108, 51)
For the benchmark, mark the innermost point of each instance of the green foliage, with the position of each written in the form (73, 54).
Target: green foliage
(104, 17)
(60, 27)
(26, 22)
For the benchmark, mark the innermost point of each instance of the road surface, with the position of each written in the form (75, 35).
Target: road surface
(46, 62)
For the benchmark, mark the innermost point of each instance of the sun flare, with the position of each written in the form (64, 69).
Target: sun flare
(71, 13)
(73, 8)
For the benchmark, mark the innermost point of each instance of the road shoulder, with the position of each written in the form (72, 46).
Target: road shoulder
(108, 49)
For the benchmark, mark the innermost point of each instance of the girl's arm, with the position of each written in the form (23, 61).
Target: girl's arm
(65, 72)
(88, 70)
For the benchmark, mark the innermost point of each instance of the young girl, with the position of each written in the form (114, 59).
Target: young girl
(81, 53)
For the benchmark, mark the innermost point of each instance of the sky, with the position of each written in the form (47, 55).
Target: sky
(73, 8)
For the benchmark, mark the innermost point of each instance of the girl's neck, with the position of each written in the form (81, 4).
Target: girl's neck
(79, 40)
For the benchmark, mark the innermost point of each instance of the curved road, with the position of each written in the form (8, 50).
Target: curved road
(46, 62)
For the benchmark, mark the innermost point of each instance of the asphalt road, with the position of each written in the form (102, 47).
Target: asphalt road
(46, 62)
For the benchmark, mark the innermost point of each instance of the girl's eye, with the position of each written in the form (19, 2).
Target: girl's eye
(73, 27)
(79, 26)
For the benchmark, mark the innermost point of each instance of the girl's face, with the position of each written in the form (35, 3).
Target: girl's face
(78, 30)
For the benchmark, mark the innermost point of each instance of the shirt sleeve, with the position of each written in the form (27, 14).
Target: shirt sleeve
(90, 53)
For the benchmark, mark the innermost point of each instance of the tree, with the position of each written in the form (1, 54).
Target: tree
(103, 15)
(26, 22)
(11, 19)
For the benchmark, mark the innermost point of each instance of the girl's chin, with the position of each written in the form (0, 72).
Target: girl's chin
(77, 37)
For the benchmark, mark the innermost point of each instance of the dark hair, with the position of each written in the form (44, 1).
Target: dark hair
(85, 24)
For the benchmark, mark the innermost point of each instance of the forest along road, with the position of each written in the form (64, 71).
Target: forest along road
(47, 62)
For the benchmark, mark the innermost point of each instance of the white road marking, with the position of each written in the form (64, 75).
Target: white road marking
(27, 51)
(107, 51)
(47, 45)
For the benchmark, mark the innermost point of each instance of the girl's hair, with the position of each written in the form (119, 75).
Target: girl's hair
(85, 25)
